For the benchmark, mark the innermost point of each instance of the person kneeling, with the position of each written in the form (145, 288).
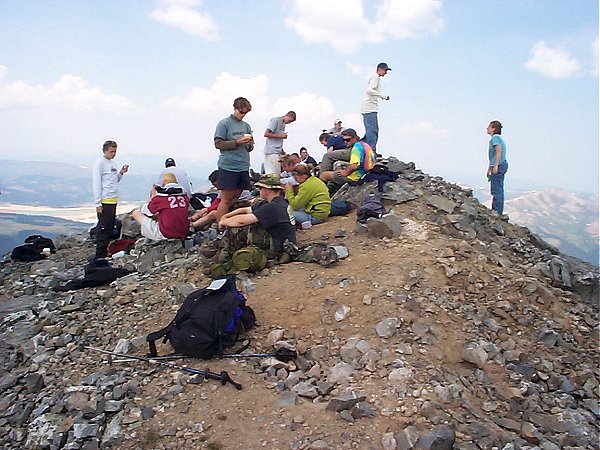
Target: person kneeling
(169, 204)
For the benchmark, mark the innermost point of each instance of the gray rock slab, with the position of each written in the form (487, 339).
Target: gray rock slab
(344, 402)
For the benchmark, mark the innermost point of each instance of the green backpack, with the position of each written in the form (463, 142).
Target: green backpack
(250, 259)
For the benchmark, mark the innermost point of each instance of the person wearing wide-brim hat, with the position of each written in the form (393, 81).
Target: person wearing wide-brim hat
(272, 214)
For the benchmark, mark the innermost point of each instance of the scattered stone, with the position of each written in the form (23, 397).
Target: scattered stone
(344, 402)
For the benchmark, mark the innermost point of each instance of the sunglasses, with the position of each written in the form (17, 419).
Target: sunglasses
(243, 112)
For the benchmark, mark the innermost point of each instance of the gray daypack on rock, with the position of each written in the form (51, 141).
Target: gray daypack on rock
(371, 207)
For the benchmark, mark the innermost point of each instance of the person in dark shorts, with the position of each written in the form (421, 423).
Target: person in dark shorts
(233, 138)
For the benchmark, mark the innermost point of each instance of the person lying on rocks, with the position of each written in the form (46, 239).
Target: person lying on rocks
(165, 216)
(311, 203)
(361, 161)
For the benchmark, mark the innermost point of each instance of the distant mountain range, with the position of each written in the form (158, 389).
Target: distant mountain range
(566, 220)
(56, 184)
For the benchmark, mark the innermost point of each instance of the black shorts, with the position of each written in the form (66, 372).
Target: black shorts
(233, 180)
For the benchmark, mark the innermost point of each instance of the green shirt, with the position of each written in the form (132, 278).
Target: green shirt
(313, 197)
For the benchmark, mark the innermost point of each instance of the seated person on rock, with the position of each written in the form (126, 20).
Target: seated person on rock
(180, 174)
(311, 203)
(271, 215)
(362, 159)
(306, 158)
(166, 215)
(288, 162)
(295, 158)
(332, 142)
(206, 216)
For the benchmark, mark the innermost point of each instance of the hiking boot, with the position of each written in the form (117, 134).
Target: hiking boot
(328, 256)
(291, 249)
(208, 250)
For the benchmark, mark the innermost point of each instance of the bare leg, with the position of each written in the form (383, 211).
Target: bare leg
(207, 219)
(228, 198)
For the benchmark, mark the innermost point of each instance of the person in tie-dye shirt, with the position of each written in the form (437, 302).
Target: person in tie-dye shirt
(362, 159)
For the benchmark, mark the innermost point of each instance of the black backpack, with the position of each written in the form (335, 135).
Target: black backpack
(33, 248)
(209, 321)
(27, 253)
(40, 242)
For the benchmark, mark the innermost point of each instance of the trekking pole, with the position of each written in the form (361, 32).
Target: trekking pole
(223, 377)
(282, 354)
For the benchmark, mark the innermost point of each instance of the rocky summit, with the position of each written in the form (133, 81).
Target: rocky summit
(443, 326)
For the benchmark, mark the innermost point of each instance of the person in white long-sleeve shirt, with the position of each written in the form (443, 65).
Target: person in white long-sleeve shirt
(105, 180)
(370, 105)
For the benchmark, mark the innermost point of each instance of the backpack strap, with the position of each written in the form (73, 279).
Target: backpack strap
(157, 335)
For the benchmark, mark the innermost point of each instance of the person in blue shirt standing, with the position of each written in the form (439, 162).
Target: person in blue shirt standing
(498, 165)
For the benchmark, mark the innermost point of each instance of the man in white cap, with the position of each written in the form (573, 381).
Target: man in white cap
(370, 105)
(337, 128)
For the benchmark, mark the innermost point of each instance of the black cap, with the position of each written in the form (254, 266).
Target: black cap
(169, 162)
(383, 66)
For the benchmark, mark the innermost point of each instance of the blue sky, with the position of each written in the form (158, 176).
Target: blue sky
(156, 76)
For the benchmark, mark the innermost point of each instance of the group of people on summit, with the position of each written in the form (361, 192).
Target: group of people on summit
(293, 189)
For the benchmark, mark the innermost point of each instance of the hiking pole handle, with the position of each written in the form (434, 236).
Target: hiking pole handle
(225, 378)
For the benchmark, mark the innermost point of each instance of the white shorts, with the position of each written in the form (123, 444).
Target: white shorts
(151, 230)
(272, 164)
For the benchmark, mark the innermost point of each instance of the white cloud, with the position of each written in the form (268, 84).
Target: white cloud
(412, 19)
(423, 128)
(359, 71)
(69, 93)
(552, 62)
(344, 25)
(221, 94)
(183, 14)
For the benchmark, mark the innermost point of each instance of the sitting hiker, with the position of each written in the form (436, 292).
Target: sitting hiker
(271, 215)
(306, 158)
(332, 142)
(288, 162)
(362, 159)
(295, 158)
(206, 216)
(264, 229)
(336, 151)
(182, 178)
(170, 204)
(312, 202)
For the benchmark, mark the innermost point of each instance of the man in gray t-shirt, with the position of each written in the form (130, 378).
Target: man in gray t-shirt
(275, 134)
